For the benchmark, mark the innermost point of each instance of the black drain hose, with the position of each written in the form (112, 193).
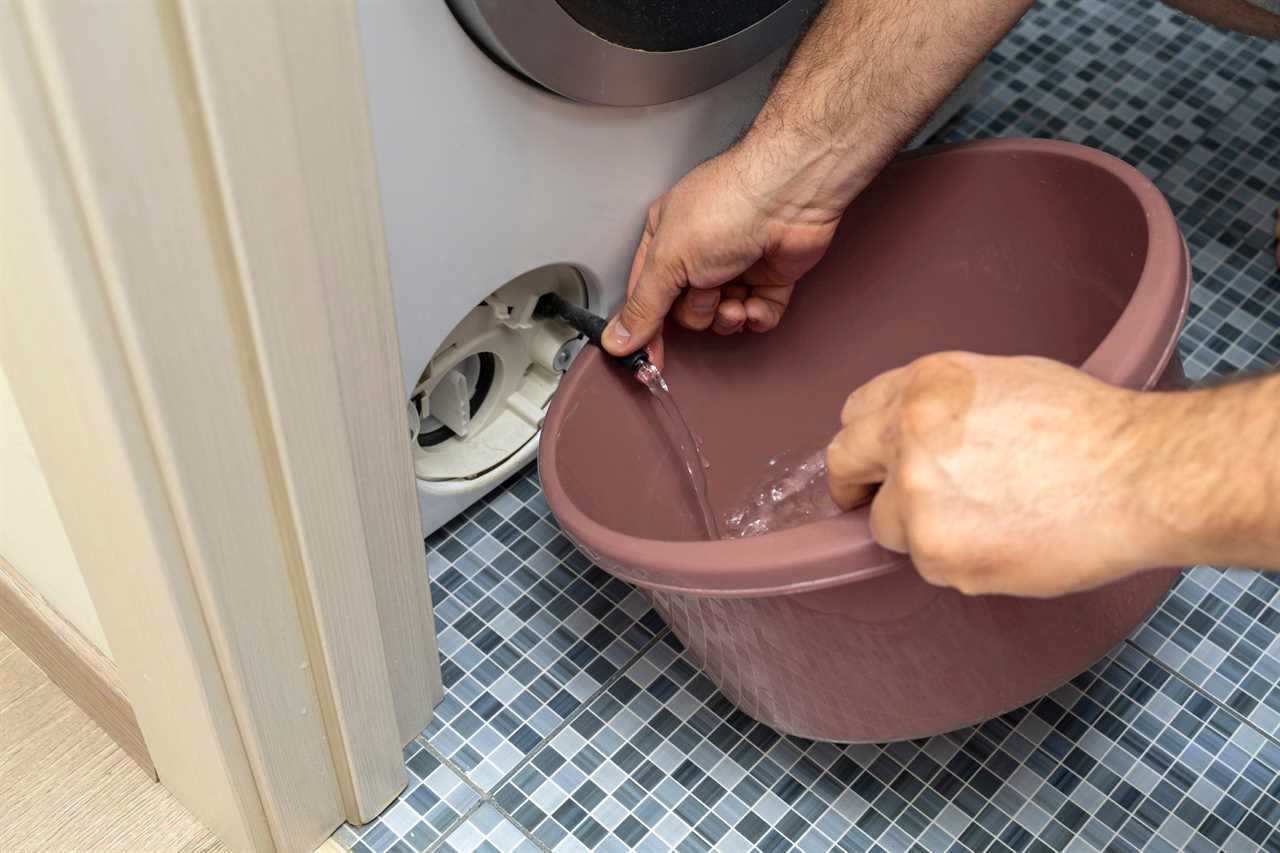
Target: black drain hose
(551, 306)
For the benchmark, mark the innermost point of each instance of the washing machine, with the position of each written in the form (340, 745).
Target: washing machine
(518, 144)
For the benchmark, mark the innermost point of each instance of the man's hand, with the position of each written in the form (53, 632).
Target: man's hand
(1027, 477)
(716, 256)
(724, 247)
(999, 474)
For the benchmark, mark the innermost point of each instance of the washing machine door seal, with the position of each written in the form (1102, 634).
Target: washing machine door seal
(639, 55)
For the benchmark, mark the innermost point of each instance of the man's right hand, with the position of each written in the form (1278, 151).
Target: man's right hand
(717, 255)
(724, 247)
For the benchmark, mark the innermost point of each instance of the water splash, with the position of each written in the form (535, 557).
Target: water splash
(682, 440)
(795, 493)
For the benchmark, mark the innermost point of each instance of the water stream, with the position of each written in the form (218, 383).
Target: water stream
(794, 493)
(682, 441)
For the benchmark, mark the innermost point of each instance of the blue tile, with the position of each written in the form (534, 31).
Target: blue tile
(434, 801)
(487, 831)
(1126, 757)
(1136, 79)
(878, 799)
(1219, 628)
(1220, 178)
(527, 630)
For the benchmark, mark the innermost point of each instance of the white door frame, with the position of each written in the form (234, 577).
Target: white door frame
(197, 325)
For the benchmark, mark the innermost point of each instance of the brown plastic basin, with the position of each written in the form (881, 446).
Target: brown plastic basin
(1003, 247)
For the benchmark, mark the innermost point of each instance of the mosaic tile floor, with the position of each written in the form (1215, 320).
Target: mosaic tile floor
(573, 720)
(1127, 756)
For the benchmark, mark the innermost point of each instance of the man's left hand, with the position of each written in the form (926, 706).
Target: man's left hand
(997, 475)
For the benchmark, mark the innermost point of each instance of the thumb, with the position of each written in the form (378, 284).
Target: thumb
(640, 319)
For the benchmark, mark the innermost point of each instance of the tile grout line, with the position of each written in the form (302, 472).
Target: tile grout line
(537, 842)
(1184, 157)
(487, 796)
(1133, 673)
(458, 821)
(1204, 133)
(1060, 763)
(484, 798)
(641, 652)
(1201, 691)
(448, 762)
(471, 810)
(1212, 701)
(567, 721)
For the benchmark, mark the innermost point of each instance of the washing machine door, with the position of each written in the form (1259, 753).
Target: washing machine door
(631, 52)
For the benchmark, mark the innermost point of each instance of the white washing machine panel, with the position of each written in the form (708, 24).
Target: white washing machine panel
(484, 177)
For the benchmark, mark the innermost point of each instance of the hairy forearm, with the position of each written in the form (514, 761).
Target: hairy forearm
(1209, 473)
(867, 75)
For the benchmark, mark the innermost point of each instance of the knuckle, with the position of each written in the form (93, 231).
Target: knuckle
(849, 407)
(691, 315)
(884, 530)
(639, 321)
(944, 561)
(928, 572)
(654, 214)
(654, 292)
(931, 363)
(941, 365)
(930, 545)
(635, 306)
(927, 371)
(922, 411)
(836, 457)
(637, 312)
(915, 478)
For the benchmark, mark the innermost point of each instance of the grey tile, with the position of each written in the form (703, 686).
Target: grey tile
(1136, 79)
(434, 801)
(876, 793)
(1230, 651)
(1218, 628)
(530, 630)
(487, 831)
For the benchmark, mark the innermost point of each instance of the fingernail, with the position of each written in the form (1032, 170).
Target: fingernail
(703, 299)
(619, 333)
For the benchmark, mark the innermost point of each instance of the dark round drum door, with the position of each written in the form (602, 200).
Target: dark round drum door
(631, 52)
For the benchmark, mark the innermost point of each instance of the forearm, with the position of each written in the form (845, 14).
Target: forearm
(1209, 474)
(1255, 17)
(867, 75)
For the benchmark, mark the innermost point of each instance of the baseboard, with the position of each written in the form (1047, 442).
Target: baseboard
(73, 663)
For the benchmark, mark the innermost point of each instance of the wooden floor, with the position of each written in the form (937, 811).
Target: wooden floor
(65, 787)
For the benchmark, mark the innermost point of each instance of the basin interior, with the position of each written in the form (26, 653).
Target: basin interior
(997, 252)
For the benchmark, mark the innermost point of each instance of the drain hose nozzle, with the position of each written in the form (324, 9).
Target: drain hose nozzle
(552, 306)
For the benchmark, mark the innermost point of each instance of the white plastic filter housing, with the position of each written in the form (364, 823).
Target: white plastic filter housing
(483, 395)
